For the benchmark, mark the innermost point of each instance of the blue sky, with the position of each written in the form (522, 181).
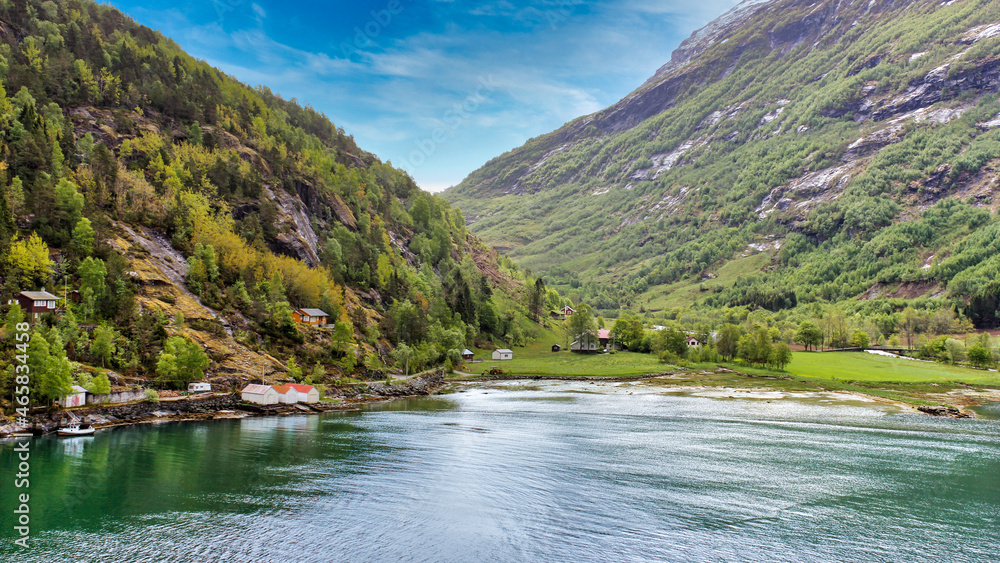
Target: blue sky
(438, 87)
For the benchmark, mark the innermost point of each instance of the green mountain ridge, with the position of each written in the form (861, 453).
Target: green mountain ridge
(791, 153)
(177, 206)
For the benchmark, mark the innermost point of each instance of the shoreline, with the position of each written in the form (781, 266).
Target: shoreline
(221, 407)
(950, 404)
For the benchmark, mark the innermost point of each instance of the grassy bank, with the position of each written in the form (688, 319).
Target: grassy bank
(906, 381)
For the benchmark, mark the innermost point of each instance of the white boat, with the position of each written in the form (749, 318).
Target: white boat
(75, 430)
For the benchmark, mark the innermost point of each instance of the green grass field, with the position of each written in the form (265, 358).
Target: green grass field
(869, 368)
(538, 358)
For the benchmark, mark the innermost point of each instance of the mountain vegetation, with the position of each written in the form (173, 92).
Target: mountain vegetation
(796, 161)
(182, 217)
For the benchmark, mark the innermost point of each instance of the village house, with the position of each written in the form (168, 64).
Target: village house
(199, 387)
(503, 354)
(467, 355)
(260, 394)
(315, 317)
(586, 343)
(693, 342)
(76, 398)
(37, 303)
(568, 311)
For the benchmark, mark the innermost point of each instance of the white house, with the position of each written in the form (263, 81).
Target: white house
(503, 354)
(76, 398)
(260, 394)
(306, 393)
(693, 342)
(199, 387)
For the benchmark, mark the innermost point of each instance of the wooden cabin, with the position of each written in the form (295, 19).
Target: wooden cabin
(37, 303)
(556, 348)
(315, 317)
(467, 355)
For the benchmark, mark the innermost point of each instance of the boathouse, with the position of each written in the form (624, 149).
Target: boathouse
(260, 394)
(76, 398)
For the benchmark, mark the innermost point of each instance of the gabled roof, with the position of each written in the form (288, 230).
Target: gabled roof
(78, 389)
(257, 389)
(39, 295)
(505, 350)
(282, 389)
(301, 388)
(467, 352)
(604, 333)
(313, 312)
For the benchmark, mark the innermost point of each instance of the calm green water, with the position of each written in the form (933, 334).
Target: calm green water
(506, 473)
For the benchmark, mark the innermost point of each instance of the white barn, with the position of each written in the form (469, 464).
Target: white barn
(260, 394)
(76, 398)
(199, 387)
(503, 354)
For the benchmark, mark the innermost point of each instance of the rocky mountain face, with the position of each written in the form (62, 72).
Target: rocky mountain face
(830, 120)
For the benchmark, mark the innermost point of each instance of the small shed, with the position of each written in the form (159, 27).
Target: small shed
(199, 387)
(76, 398)
(260, 394)
(306, 393)
(315, 317)
(503, 354)
(557, 316)
(37, 303)
(468, 354)
(556, 348)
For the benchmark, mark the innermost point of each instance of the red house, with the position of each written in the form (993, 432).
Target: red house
(36, 303)
(315, 317)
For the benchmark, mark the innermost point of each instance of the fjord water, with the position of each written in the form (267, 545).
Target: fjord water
(562, 472)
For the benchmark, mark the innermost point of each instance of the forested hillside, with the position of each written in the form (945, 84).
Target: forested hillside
(181, 217)
(794, 156)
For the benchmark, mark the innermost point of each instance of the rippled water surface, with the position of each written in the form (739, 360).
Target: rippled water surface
(559, 472)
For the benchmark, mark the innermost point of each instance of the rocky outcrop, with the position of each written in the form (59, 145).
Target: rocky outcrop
(941, 410)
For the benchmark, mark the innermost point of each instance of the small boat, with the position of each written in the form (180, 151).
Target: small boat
(75, 430)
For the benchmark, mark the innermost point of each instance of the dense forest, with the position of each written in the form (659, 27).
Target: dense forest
(809, 157)
(118, 150)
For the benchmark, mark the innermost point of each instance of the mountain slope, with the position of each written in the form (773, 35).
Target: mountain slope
(829, 130)
(171, 201)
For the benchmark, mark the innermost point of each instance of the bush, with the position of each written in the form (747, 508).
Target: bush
(152, 396)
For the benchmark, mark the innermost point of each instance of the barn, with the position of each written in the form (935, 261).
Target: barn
(260, 394)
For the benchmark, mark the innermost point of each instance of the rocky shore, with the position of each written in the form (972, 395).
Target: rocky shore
(220, 406)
